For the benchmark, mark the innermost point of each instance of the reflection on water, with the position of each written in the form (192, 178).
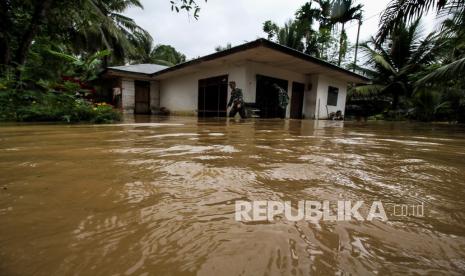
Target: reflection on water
(157, 197)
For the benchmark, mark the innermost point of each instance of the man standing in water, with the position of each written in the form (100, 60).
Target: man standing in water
(283, 100)
(236, 100)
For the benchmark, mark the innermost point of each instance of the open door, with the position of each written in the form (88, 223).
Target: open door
(213, 96)
(297, 100)
(142, 97)
(267, 96)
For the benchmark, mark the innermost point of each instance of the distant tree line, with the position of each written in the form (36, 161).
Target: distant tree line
(414, 75)
(51, 52)
(318, 29)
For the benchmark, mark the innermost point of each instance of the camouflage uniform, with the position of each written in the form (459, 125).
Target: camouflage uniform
(283, 101)
(236, 100)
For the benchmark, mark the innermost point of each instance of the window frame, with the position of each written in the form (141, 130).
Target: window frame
(332, 91)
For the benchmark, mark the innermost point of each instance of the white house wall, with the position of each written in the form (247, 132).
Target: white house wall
(322, 110)
(155, 96)
(309, 106)
(128, 95)
(180, 94)
(253, 69)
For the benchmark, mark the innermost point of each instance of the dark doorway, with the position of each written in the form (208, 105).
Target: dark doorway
(267, 96)
(297, 100)
(142, 97)
(213, 96)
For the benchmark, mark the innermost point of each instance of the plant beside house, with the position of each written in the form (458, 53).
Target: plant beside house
(71, 97)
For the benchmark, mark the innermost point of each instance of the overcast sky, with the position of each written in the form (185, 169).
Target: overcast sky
(223, 21)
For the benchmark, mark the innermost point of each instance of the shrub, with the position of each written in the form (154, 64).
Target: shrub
(28, 106)
(105, 113)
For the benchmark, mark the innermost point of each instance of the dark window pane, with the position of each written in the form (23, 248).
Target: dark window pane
(332, 95)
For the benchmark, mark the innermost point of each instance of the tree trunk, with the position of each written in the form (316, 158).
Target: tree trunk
(5, 22)
(356, 45)
(395, 101)
(340, 45)
(39, 15)
(5, 55)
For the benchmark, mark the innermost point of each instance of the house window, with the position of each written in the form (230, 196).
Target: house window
(333, 92)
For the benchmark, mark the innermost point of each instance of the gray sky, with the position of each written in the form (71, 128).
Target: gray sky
(235, 21)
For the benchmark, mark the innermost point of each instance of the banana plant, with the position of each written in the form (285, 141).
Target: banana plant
(86, 69)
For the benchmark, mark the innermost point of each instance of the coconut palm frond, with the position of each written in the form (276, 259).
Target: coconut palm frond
(122, 5)
(163, 62)
(449, 71)
(365, 71)
(69, 58)
(399, 11)
(381, 61)
(367, 90)
(426, 50)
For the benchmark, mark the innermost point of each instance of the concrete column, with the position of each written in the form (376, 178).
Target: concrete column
(155, 97)
(310, 97)
(128, 96)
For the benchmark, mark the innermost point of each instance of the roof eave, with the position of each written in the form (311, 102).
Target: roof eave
(119, 71)
(264, 43)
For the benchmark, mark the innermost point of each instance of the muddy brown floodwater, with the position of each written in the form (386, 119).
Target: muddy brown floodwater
(157, 197)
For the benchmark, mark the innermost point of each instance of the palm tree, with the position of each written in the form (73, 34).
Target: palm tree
(325, 37)
(168, 54)
(452, 56)
(344, 11)
(400, 11)
(144, 47)
(393, 65)
(317, 41)
(82, 26)
(307, 16)
(290, 35)
(220, 48)
(101, 24)
(147, 52)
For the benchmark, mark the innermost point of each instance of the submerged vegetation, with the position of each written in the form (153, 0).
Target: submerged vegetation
(414, 75)
(318, 29)
(52, 51)
(422, 75)
(72, 98)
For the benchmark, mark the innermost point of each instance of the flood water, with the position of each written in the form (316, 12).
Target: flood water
(157, 197)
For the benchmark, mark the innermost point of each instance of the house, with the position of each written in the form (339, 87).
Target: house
(200, 87)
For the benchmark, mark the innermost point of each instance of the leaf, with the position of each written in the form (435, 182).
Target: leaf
(446, 72)
(64, 56)
(367, 90)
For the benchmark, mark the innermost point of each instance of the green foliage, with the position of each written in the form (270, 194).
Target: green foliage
(220, 48)
(342, 12)
(428, 103)
(446, 72)
(78, 27)
(392, 66)
(290, 35)
(187, 5)
(400, 12)
(51, 53)
(159, 54)
(34, 105)
(67, 99)
(422, 76)
(87, 69)
(167, 53)
(301, 35)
